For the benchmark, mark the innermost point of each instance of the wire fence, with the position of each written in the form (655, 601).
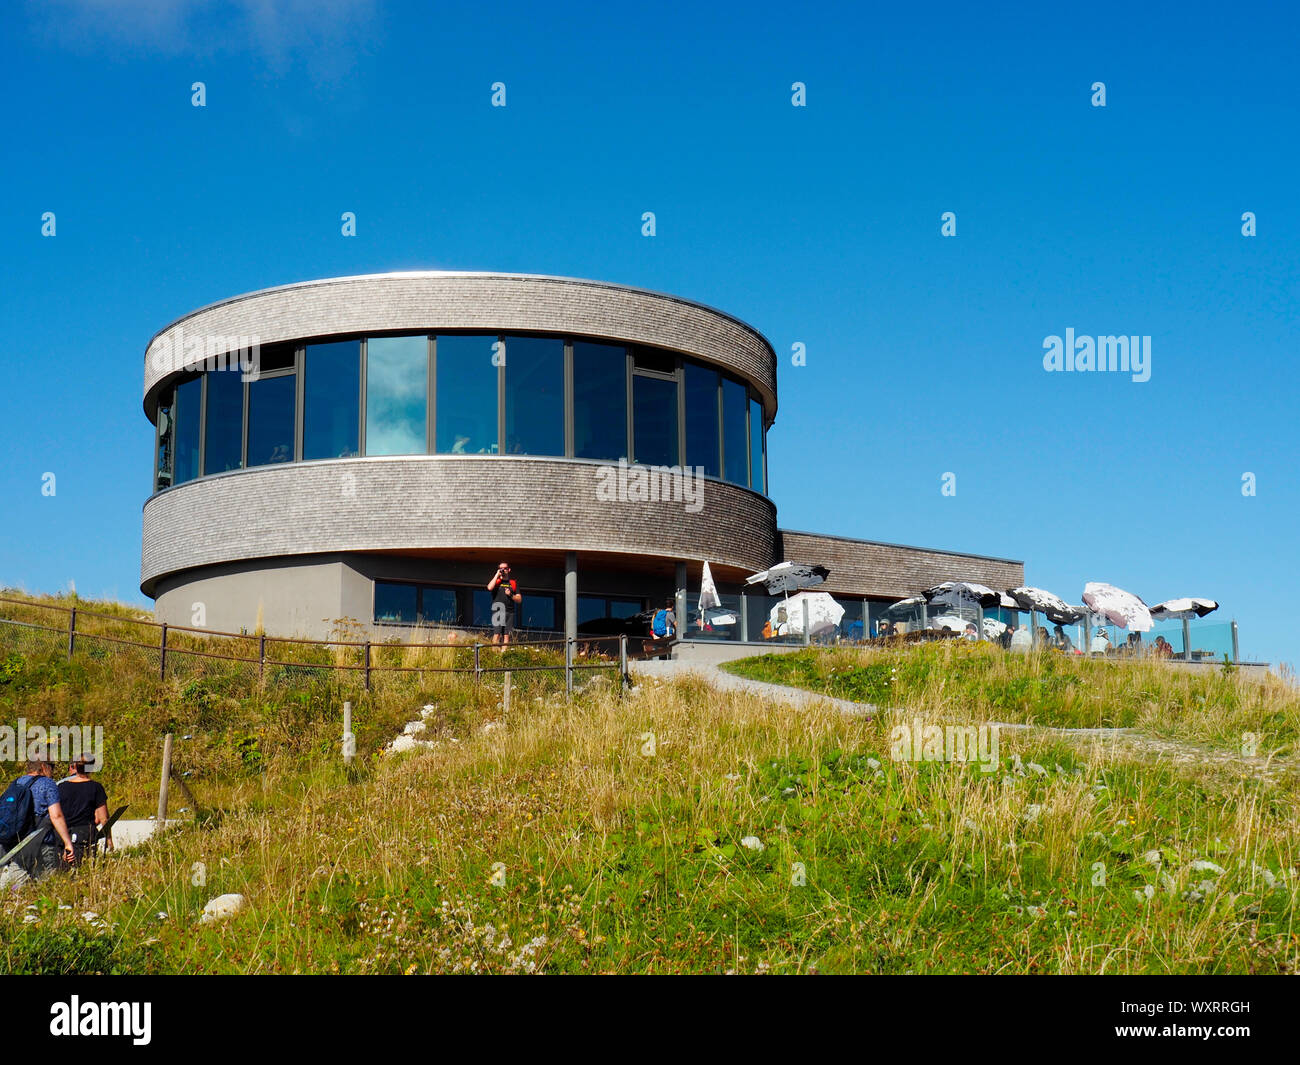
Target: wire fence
(85, 631)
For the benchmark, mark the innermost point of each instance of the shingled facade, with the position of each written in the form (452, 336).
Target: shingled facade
(400, 434)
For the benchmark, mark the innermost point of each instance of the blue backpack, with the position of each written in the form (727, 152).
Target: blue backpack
(660, 624)
(17, 811)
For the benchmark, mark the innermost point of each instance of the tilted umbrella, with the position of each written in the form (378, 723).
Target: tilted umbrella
(1118, 606)
(954, 593)
(1183, 609)
(905, 606)
(822, 611)
(993, 628)
(789, 577)
(1053, 607)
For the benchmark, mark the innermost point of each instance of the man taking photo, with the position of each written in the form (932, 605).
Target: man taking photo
(505, 599)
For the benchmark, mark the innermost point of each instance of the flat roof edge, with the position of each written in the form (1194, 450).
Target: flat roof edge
(902, 547)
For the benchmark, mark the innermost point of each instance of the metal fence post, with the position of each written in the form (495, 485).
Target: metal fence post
(623, 662)
(261, 655)
(505, 693)
(478, 671)
(1235, 659)
(162, 654)
(72, 632)
(367, 665)
(349, 740)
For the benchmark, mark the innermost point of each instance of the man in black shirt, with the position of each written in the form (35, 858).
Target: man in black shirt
(85, 806)
(505, 598)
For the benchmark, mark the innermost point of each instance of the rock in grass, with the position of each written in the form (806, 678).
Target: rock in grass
(223, 906)
(752, 842)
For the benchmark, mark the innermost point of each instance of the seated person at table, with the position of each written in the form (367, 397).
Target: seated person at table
(1020, 639)
(1164, 648)
(1061, 640)
(1100, 642)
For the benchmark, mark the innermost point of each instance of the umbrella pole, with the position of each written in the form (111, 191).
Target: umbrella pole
(1033, 629)
(1187, 639)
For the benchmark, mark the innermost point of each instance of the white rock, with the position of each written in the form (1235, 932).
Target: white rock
(753, 843)
(427, 709)
(223, 906)
(412, 727)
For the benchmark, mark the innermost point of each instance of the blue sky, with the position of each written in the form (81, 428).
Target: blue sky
(818, 225)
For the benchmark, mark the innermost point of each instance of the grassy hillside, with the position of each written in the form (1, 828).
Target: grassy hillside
(614, 834)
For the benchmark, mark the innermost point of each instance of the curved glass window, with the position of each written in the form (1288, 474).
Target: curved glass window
(331, 400)
(701, 385)
(187, 414)
(223, 428)
(534, 396)
(735, 442)
(467, 395)
(489, 394)
(397, 387)
(654, 420)
(599, 401)
(271, 419)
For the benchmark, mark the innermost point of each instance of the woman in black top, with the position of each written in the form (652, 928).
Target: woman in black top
(85, 805)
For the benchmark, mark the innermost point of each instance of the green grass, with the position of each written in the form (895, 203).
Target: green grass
(605, 834)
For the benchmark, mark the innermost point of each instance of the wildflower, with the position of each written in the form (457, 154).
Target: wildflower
(753, 843)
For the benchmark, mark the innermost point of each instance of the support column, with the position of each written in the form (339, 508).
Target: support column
(679, 602)
(571, 595)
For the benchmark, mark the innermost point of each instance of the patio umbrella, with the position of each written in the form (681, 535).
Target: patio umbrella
(955, 593)
(1053, 607)
(1118, 606)
(1183, 609)
(710, 606)
(993, 628)
(951, 622)
(906, 606)
(789, 577)
(823, 613)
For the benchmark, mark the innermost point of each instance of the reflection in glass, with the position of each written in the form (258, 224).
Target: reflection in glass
(534, 396)
(438, 606)
(467, 395)
(735, 448)
(396, 603)
(537, 611)
(756, 446)
(224, 429)
(163, 464)
(702, 418)
(599, 401)
(186, 413)
(397, 383)
(654, 420)
(270, 420)
(331, 391)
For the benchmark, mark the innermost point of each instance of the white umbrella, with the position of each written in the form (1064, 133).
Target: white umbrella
(906, 606)
(1057, 610)
(1183, 609)
(951, 622)
(993, 628)
(710, 606)
(954, 593)
(823, 613)
(789, 577)
(1118, 606)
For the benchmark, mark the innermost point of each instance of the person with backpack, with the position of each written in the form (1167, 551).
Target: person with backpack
(663, 626)
(85, 808)
(24, 805)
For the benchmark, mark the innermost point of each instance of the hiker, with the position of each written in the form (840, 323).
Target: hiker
(505, 597)
(85, 808)
(23, 806)
(663, 626)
